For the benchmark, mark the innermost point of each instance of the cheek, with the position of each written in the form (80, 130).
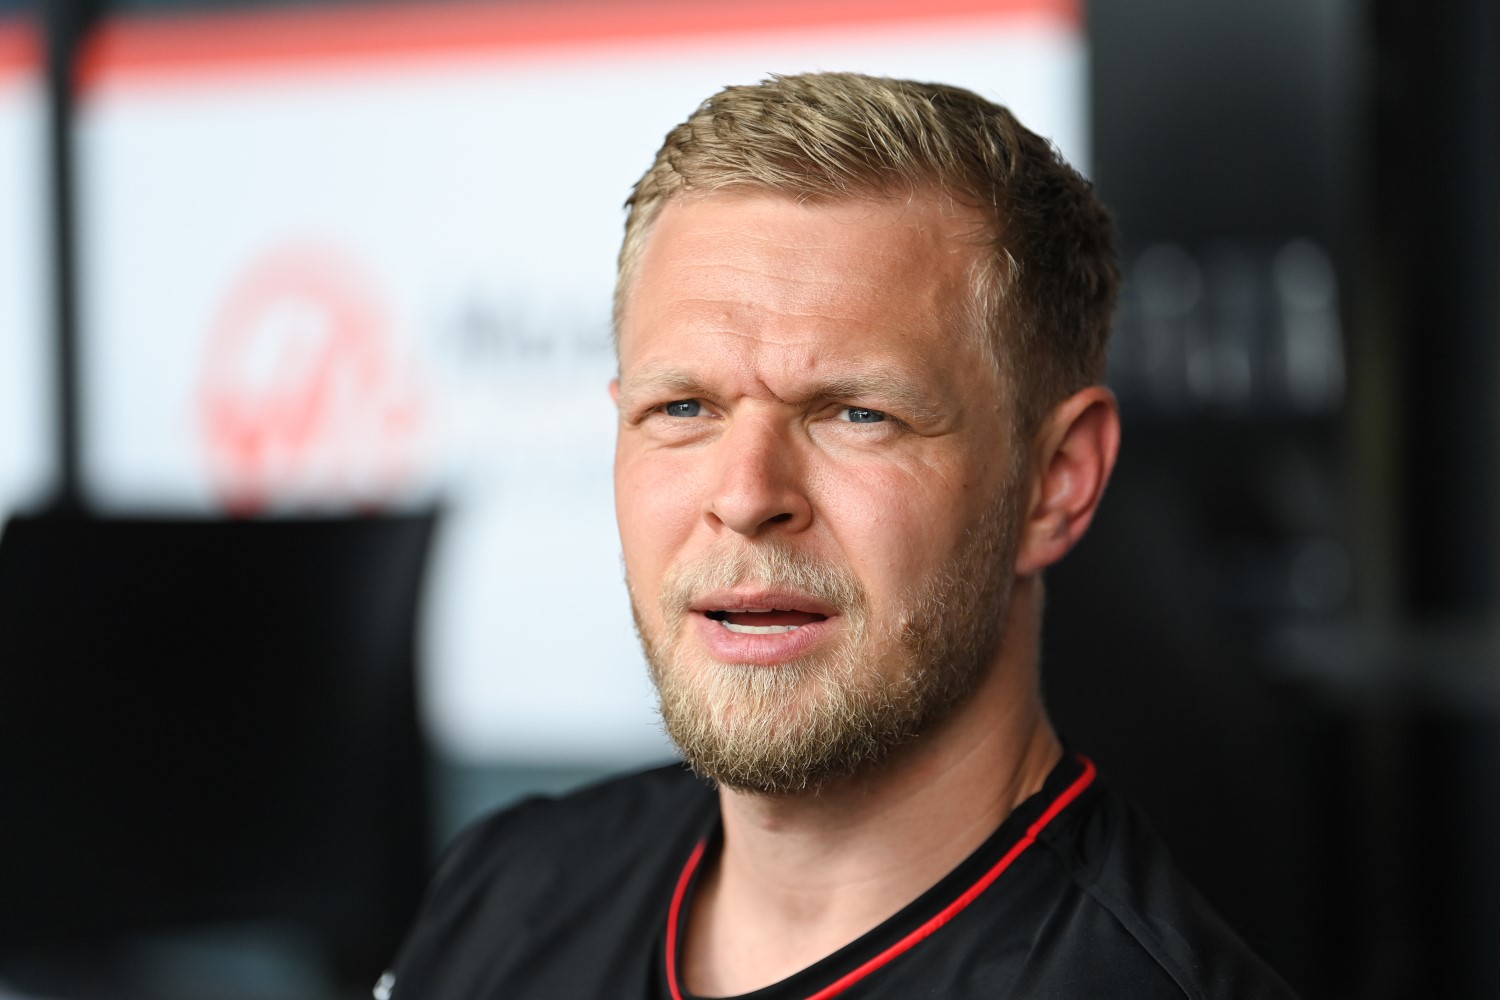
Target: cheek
(654, 504)
(888, 521)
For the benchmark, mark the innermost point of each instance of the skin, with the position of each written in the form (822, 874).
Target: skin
(787, 323)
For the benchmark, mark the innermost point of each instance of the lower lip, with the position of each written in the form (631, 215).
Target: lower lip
(759, 649)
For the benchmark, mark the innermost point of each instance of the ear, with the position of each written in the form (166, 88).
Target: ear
(614, 390)
(1072, 456)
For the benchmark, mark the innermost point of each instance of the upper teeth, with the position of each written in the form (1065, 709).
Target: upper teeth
(759, 629)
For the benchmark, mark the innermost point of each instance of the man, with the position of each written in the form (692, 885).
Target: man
(861, 330)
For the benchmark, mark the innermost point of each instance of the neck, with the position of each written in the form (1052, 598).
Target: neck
(802, 875)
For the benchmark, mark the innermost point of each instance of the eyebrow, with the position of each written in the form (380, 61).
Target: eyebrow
(661, 380)
(906, 395)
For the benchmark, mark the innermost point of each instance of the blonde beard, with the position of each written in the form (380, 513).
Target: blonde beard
(795, 726)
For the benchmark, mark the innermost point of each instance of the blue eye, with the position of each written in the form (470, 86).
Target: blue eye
(860, 415)
(683, 408)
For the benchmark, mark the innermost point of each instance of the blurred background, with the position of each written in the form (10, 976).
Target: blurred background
(304, 453)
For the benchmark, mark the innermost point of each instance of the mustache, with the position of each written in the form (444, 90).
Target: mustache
(764, 564)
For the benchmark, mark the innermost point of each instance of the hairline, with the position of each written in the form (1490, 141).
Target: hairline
(978, 316)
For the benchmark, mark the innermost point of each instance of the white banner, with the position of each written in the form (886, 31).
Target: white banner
(27, 466)
(358, 258)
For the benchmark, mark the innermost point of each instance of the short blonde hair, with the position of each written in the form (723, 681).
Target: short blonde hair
(1044, 294)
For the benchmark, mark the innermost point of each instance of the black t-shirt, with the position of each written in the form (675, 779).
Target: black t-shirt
(586, 896)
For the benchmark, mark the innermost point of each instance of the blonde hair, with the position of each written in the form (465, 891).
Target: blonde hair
(1045, 292)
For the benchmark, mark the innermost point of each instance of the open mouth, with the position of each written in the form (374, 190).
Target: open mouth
(763, 621)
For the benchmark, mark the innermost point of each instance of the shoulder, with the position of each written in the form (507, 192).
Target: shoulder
(1143, 914)
(552, 874)
(596, 810)
(544, 833)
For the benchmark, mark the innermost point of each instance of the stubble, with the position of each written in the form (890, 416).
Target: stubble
(874, 687)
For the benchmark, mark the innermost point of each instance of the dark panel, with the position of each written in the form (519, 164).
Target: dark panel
(205, 723)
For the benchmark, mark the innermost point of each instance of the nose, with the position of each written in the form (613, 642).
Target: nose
(759, 484)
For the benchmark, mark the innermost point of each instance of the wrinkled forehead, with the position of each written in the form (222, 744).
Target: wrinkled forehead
(760, 255)
(794, 303)
(932, 215)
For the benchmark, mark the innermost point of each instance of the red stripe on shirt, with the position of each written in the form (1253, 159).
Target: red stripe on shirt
(682, 883)
(926, 930)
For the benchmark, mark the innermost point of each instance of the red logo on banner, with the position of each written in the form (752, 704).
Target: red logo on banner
(303, 401)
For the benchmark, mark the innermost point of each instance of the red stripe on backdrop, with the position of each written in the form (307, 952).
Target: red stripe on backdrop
(143, 48)
(20, 49)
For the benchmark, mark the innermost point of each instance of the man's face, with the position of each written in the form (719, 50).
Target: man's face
(813, 480)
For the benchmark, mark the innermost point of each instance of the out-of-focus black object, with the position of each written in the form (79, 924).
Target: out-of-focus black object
(1281, 637)
(205, 723)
